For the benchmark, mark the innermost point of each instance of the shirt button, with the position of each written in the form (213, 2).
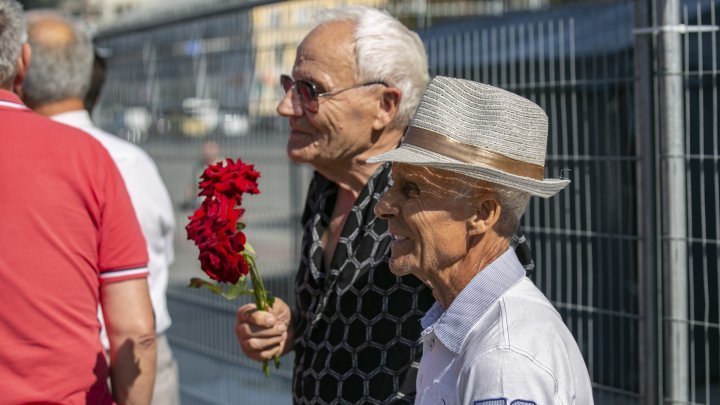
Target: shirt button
(432, 343)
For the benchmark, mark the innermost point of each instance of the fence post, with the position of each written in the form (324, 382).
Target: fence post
(674, 210)
(649, 297)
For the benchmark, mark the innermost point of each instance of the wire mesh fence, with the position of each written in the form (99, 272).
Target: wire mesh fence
(599, 246)
(699, 83)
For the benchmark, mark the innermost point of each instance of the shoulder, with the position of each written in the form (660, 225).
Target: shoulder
(524, 320)
(36, 128)
(513, 319)
(523, 340)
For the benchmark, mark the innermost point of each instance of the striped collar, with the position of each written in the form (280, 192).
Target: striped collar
(11, 100)
(452, 326)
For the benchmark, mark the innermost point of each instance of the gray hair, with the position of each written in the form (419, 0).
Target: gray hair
(58, 72)
(388, 51)
(12, 38)
(514, 202)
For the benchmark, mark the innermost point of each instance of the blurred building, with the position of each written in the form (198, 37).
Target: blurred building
(106, 13)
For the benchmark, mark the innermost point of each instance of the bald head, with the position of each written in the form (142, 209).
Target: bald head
(62, 59)
(49, 29)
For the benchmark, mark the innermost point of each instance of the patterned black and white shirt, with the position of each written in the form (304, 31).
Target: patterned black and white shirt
(357, 327)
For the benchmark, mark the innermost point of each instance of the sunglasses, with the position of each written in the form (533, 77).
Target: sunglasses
(309, 94)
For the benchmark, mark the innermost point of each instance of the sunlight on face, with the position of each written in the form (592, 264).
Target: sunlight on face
(342, 125)
(428, 216)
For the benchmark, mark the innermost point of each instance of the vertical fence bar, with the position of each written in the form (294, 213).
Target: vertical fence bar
(705, 333)
(647, 263)
(674, 205)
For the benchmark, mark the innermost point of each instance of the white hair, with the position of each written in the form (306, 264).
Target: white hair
(12, 37)
(386, 51)
(58, 72)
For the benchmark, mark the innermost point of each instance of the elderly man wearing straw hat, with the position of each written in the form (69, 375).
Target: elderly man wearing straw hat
(463, 176)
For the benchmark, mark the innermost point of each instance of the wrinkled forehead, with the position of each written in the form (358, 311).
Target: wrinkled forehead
(329, 47)
(439, 182)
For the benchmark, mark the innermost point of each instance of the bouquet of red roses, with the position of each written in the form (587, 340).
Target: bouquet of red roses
(216, 229)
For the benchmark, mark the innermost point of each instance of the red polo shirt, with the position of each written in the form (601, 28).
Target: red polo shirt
(66, 226)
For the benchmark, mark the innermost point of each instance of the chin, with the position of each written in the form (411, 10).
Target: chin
(299, 155)
(399, 269)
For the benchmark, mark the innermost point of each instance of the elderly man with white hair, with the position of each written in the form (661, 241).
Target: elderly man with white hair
(463, 176)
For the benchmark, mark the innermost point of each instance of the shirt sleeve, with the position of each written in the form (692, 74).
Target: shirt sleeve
(504, 376)
(122, 252)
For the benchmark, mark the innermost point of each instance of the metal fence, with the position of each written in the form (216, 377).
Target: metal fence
(628, 253)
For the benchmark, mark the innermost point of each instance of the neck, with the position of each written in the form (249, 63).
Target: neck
(448, 283)
(353, 174)
(58, 107)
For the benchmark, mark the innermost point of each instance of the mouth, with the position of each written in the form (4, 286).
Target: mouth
(399, 244)
(299, 138)
(298, 132)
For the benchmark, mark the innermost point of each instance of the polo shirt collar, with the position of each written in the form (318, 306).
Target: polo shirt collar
(11, 100)
(452, 326)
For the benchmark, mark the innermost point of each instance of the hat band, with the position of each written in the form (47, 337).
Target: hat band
(443, 145)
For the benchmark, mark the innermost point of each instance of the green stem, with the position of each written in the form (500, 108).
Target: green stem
(260, 301)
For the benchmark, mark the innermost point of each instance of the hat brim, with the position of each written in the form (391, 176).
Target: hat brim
(414, 155)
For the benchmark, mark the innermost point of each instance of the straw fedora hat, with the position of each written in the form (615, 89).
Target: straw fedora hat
(479, 131)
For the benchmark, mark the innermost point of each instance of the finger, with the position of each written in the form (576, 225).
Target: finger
(248, 330)
(258, 345)
(249, 314)
(268, 354)
(243, 312)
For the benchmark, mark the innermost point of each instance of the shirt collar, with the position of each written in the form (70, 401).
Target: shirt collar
(452, 326)
(11, 100)
(77, 118)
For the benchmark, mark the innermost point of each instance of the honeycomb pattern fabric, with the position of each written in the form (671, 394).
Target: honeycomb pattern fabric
(357, 327)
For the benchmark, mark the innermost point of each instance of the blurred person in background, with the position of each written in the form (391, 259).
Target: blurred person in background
(56, 86)
(209, 155)
(355, 330)
(462, 179)
(69, 240)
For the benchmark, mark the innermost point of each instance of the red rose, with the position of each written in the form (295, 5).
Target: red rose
(229, 179)
(213, 229)
(213, 226)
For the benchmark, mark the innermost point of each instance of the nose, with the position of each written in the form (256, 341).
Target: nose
(384, 209)
(290, 106)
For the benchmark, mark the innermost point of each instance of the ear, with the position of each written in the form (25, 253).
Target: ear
(487, 214)
(388, 108)
(22, 65)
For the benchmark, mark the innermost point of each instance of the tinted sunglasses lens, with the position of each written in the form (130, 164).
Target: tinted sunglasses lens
(286, 82)
(307, 94)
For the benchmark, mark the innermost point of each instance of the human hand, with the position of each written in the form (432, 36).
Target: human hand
(264, 334)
